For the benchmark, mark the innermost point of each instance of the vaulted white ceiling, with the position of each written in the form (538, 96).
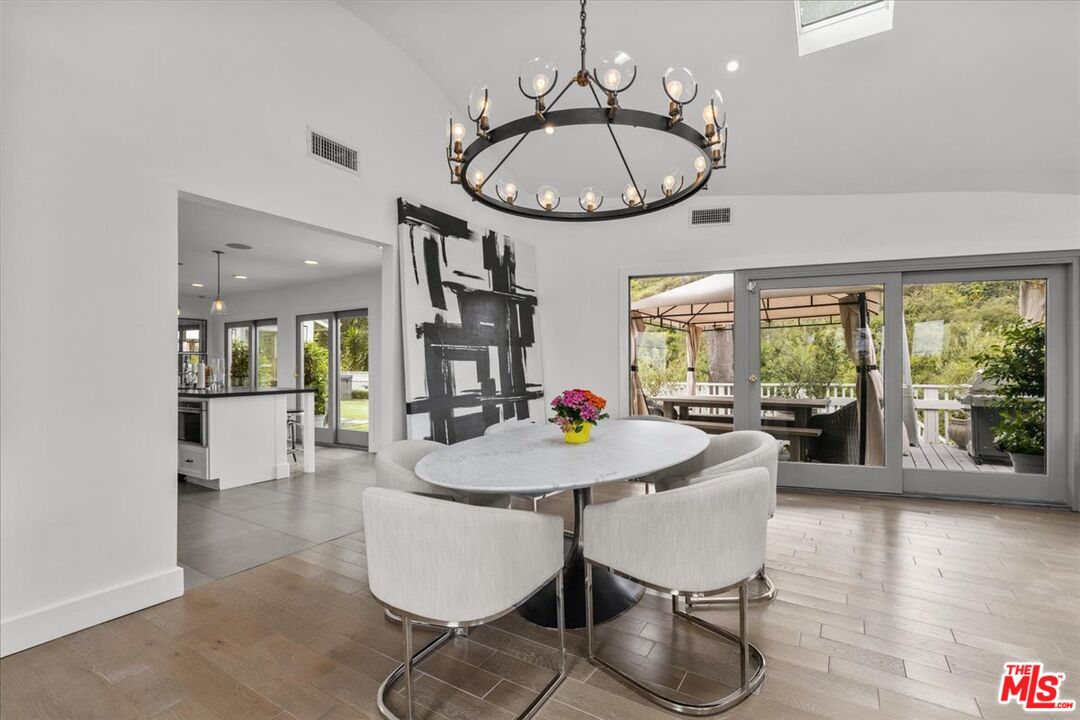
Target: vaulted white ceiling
(959, 96)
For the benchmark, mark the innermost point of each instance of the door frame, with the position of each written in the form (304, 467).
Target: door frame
(852, 478)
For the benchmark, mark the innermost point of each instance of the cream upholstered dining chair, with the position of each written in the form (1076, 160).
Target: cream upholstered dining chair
(727, 453)
(452, 565)
(694, 541)
(395, 468)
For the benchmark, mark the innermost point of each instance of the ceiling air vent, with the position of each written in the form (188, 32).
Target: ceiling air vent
(329, 150)
(710, 216)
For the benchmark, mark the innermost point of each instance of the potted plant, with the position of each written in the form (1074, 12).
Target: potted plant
(576, 411)
(1018, 366)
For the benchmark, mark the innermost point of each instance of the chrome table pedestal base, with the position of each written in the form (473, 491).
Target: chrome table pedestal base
(612, 595)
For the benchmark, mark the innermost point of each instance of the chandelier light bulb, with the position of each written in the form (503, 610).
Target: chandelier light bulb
(700, 164)
(508, 190)
(548, 197)
(590, 199)
(549, 129)
(680, 84)
(616, 71)
(669, 181)
(479, 102)
(630, 195)
(477, 178)
(672, 182)
(458, 131)
(538, 75)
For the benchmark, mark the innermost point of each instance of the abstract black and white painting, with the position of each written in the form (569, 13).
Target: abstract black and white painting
(468, 306)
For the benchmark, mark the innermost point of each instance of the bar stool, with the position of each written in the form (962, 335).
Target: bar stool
(295, 426)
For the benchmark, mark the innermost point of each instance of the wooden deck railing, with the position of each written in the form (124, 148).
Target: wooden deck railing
(934, 404)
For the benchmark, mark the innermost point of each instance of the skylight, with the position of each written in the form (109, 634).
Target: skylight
(822, 24)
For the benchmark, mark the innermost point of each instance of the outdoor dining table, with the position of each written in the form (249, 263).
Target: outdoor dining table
(677, 407)
(535, 460)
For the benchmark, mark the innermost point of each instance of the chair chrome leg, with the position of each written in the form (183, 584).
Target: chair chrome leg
(407, 625)
(412, 660)
(765, 595)
(751, 665)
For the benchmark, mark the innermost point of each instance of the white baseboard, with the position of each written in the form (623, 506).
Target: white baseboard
(33, 628)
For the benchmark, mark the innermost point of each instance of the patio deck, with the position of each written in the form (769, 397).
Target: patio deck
(936, 456)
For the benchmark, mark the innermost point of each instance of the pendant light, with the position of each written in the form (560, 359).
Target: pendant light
(218, 306)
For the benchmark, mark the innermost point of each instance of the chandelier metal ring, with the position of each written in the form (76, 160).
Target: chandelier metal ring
(523, 126)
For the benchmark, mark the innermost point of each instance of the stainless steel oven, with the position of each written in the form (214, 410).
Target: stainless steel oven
(191, 422)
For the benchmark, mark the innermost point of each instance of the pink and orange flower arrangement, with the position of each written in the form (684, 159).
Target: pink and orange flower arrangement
(576, 411)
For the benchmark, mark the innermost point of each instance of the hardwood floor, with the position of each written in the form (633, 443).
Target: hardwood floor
(887, 608)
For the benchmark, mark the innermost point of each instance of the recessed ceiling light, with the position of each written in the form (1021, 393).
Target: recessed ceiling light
(732, 65)
(238, 246)
(197, 285)
(311, 262)
(240, 277)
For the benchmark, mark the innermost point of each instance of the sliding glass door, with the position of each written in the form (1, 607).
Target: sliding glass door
(987, 383)
(816, 369)
(942, 382)
(333, 360)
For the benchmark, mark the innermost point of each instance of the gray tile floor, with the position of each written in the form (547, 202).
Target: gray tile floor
(221, 533)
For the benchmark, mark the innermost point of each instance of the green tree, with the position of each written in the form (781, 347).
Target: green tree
(267, 340)
(239, 360)
(316, 372)
(806, 359)
(1017, 363)
(354, 344)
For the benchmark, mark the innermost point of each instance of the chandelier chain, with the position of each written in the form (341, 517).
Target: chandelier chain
(583, 36)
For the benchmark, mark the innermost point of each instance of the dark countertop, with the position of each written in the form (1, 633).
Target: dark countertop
(193, 394)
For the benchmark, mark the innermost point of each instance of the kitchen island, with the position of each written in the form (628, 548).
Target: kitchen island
(239, 436)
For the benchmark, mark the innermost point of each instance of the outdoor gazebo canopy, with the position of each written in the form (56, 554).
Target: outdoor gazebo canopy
(709, 303)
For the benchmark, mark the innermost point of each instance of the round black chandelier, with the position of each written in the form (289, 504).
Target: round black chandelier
(615, 74)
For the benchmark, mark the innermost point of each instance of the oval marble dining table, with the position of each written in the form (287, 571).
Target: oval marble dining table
(535, 460)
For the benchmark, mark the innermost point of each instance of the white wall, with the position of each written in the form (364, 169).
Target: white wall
(110, 110)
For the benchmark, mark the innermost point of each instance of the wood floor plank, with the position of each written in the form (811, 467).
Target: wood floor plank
(888, 609)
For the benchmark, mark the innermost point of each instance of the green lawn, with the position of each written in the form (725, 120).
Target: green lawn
(354, 415)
